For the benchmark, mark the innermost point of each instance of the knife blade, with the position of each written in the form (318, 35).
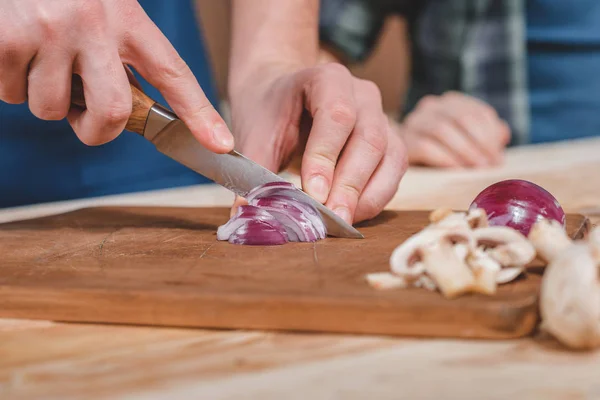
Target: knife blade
(233, 170)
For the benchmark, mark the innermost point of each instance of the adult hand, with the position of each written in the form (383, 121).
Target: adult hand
(351, 161)
(44, 42)
(454, 130)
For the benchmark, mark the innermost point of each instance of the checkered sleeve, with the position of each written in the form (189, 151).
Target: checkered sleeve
(350, 27)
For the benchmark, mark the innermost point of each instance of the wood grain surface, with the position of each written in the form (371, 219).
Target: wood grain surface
(164, 266)
(49, 360)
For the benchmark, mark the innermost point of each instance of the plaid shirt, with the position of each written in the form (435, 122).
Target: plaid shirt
(477, 47)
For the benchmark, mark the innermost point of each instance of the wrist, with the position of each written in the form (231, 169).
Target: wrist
(253, 76)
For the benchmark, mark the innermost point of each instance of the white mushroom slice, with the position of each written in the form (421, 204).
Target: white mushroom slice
(451, 274)
(414, 257)
(508, 274)
(594, 237)
(425, 281)
(439, 214)
(570, 297)
(505, 245)
(477, 218)
(461, 250)
(485, 269)
(549, 238)
(385, 280)
(405, 259)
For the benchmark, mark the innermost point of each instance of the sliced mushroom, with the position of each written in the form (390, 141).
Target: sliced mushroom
(507, 247)
(570, 297)
(457, 253)
(485, 269)
(386, 280)
(445, 266)
(439, 251)
(425, 282)
(475, 218)
(549, 239)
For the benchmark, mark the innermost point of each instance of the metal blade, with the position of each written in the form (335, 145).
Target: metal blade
(233, 171)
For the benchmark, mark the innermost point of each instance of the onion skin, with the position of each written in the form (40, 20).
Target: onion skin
(275, 215)
(518, 204)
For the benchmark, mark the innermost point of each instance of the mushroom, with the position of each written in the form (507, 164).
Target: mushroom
(508, 247)
(485, 269)
(549, 239)
(446, 266)
(570, 290)
(457, 253)
(385, 280)
(475, 218)
(438, 253)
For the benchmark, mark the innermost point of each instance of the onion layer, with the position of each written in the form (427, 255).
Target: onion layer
(518, 204)
(275, 215)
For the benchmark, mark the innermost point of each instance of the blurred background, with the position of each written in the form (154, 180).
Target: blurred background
(388, 66)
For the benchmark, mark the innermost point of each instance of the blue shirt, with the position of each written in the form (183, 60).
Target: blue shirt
(43, 161)
(563, 61)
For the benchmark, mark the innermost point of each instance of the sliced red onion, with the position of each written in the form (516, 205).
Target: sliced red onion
(290, 215)
(255, 232)
(518, 204)
(281, 213)
(244, 213)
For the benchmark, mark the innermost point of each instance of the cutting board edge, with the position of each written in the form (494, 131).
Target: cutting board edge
(69, 306)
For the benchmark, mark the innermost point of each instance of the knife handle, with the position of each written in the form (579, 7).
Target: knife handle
(141, 105)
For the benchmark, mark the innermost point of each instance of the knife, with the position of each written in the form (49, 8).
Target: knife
(232, 170)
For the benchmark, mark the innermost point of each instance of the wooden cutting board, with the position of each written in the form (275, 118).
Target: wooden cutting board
(164, 266)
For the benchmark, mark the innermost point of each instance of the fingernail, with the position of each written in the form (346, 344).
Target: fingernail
(222, 135)
(343, 213)
(318, 188)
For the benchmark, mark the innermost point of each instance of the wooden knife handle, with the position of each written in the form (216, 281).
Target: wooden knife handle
(141, 105)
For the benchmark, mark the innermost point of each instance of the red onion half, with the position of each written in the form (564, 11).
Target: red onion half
(275, 215)
(518, 204)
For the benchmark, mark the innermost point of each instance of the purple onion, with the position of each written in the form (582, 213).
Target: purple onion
(275, 214)
(255, 232)
(518, 204)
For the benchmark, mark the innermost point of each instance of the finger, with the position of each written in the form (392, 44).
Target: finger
(158, 62)
(478, 119)
(454, 139)
(49, 87)
(132, 79)
(384, 183)
(429, 152)
(505, 133)
(330, 101)
(14, 64)
(362, 154)
(107, 96)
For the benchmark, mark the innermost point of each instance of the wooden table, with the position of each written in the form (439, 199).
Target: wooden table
(40, 359)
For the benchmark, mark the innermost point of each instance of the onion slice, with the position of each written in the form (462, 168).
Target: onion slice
(275, 215)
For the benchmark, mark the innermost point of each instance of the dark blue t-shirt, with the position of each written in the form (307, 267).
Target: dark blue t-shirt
(43, 161)
(564, 61)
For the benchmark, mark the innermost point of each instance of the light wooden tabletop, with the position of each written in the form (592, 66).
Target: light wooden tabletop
(42, 359)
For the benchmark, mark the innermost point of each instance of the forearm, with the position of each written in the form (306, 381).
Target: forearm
(272, 34)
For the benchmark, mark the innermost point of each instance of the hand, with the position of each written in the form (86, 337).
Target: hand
(44, 42)
(351, 161)
(454, 130)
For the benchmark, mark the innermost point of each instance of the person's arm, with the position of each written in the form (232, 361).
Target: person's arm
(273, 34)
(44, 43)
(350, 163)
